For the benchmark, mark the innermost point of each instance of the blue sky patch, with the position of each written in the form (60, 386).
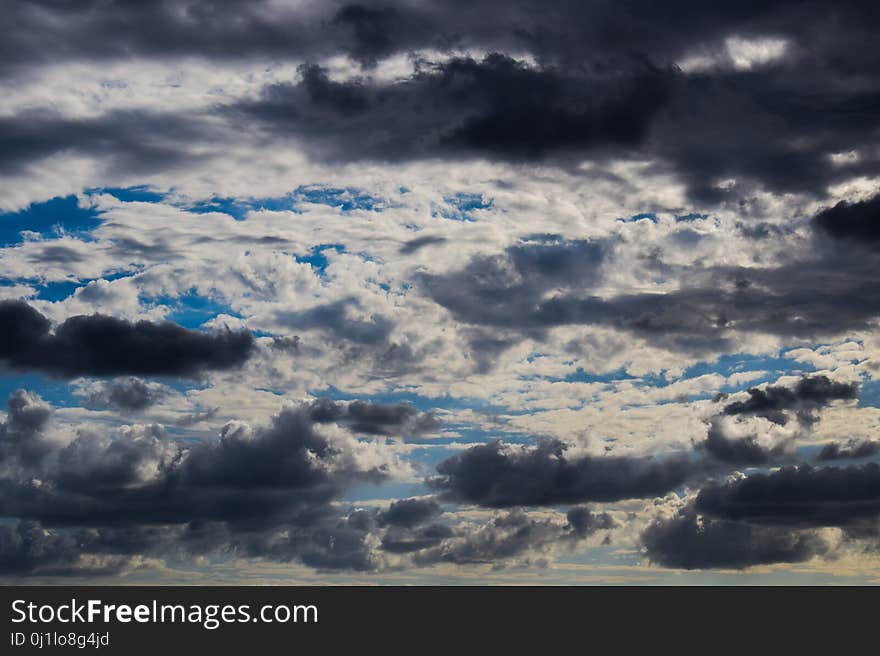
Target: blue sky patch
(461, 207)
(317, 258)
(51, 218)
(191, 310)
(138, 194)
(644, 216)
(57, 392)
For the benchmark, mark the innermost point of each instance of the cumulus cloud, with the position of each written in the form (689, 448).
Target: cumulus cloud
(128, 393)
(499, 475)
(98, 503)
(219, 495)
(141, 476)
(849, 449)
(22, 434)
(797, 495)
(747, 443)
(808, 395)
(745, 450)
(687, 541)
(374, 418)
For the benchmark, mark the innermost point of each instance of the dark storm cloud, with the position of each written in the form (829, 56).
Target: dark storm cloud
(496, 107)
(97, 504)
(858, 221)
(768, 518)
(249, 476)
(343, 98)
(808, 395)
(327, 541)
(772, 127)
(826, 293)
(743, 126)
(124, 394)
(378, 419)
(37, 31)
(497, 475)
(798, 496)
(374, 418)
(411, 512)
(849, 449)
(604, 84)
(100, 345)
(688, 542)
(26, 548)
(268, 492)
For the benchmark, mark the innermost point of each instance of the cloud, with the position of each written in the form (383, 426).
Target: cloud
(411, 512)
(376, 30)
(747, 450)
(808, 395)
(335, 318)
(849, 449)
(127, 393)
(26, 548)
(765, 518)
(22, 439)
(135, 141)
(539, 285)
(514, 536)
(585, 522)
(725, 441)
(268, 492)
(509, 290)
(140, 476)
(96, 503)
(100, 345)
(858, 222)
(463, 107)
(499, 475)
(687, 541)
(374, 418)
(797, 496)
(532, 86)
(457, 232)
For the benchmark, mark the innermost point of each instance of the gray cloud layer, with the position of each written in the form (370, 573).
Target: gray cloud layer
(542, 284)
(771, 125)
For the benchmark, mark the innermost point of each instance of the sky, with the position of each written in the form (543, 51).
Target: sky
(421, 292)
